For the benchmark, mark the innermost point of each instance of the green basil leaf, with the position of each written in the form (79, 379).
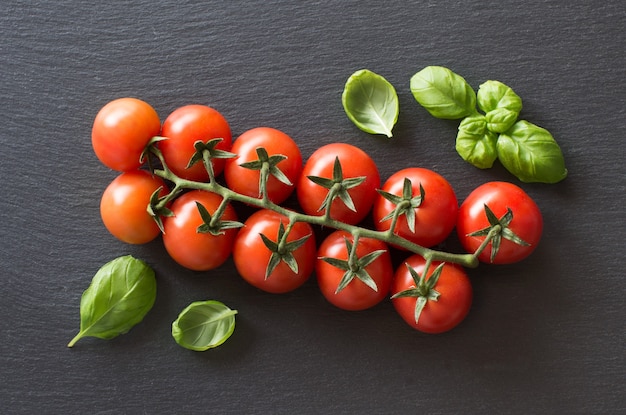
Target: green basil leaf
(501, 119)
(120, 295)
(371, 102)
(475, 143)
(531, 153)
(443, 93)
(501, 104)
(204, 325)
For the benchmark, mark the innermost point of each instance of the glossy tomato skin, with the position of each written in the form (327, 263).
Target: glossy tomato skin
(124, 203)
(189, 248)
(452, 305)
(121, 130)
(527, 221)
(355, 163)
(356, 295)
(246, 181)
(183, 128)
(436, 216)
(251, 256)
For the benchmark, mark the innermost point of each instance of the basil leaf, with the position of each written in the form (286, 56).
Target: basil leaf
(500, 119)
(500, 104)
(531, 154)
(121, 293)
(475, 143)
(371, 102)
(204, 325)
(443, 93)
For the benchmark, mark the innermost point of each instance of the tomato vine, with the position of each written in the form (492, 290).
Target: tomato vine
(204, 152)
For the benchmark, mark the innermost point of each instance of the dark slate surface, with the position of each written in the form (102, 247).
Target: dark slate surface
(543, 336)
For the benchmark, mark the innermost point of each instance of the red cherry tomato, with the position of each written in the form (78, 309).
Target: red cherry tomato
(526, 223)
(252, 256)
(246, 181)
(189, 247)
(434, 218)
(121, 131)
(354, 163)
(183, 128)
(453, 292)
(124, 205)
(357, 295)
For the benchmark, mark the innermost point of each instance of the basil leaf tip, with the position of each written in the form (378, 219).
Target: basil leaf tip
(204, 325)
(119, 296)
(371, 102)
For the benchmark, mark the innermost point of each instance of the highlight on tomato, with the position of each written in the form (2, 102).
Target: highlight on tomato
(124, 203)
(182, 128)
(269, 146)
(350, 172)
(121, 131)
(511, 211)
(272, 255)
(424, 203)
(434, 300)
(197, 236)
(353, 275)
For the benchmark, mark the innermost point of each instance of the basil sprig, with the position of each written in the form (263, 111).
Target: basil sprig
(526, 150)
(371, 102)
(120, 295)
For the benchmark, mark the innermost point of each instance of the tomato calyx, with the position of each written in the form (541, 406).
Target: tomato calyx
(337, 188)
(268, 166)
(405, 205)
(424, 289)
(354, 266)
(208, 151)
(498, 228)
(282, 251)
(213, 224)
(157, 208)
(150, 151)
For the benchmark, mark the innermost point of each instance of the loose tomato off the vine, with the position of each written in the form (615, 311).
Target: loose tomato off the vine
(242, 172)
(267, 262)
(183, 128)
(426, 206)
(353, 282)
(444, 304)
(192, 242)
(121, 130)
(355, 164)
(123, 206)
(514, 212)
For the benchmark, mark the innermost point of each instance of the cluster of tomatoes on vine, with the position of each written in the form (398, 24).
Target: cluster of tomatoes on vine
(337, 187)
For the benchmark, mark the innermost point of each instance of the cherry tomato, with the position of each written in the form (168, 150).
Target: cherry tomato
(121, 131)
(356, 295)
(526, 223)
(252, 256)
(434, 217)
(185, 244)
(183, 128)
(124, 204)
(450, 298)
(354, 163)
(246, 181)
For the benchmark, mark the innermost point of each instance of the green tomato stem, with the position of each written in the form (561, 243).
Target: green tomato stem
(466, 260)
(495, 230)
